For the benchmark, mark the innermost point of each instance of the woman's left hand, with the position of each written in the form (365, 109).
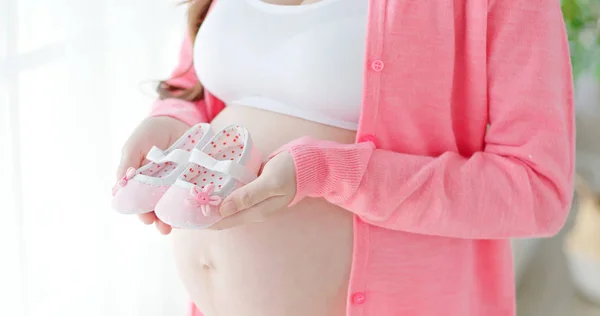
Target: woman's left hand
(271, 192)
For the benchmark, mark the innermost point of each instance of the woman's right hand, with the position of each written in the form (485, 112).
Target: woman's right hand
(160, 131)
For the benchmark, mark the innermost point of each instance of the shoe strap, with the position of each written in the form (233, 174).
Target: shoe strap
(229, 167)
(178, 156)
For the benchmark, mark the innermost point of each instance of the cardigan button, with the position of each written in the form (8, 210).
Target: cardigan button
(377, 65)
(368, 138)
(358, 298)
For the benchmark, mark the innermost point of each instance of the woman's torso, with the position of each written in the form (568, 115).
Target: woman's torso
(415, 52)
(296, 263)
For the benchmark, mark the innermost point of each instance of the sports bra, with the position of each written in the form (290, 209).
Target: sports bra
(305, 61)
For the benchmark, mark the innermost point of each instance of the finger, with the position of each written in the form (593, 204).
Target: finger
(262, 167)
(147, 218)
(257, 213)
(163, 228)
(129, 159)
(249, 195)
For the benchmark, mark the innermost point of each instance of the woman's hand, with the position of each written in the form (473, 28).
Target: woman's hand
(161, 131)
(271, 192)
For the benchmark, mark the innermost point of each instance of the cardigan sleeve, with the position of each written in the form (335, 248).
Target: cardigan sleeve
(184, 77)
(519, 185)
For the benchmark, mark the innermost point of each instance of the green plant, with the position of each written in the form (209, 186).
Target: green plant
(582, 18)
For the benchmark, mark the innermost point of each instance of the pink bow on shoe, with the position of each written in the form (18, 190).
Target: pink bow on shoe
(129, 174)
(202, 198)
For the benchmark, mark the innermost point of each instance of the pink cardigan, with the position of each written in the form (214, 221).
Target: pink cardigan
(436, 195)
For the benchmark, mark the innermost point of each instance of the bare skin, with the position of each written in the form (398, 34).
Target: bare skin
(297, 262)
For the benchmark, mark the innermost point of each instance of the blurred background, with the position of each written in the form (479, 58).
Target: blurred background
(75, 79)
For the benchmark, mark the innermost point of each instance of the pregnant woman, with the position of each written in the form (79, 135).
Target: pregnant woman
(405, 142)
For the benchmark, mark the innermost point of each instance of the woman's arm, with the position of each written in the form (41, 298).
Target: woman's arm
(520, 185)
(183, 77)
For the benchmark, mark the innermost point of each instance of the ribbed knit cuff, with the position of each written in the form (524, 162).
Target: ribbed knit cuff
(311, 170)
(328, 169)
(182, 110)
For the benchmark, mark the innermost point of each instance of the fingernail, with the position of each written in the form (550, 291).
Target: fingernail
(228, 209)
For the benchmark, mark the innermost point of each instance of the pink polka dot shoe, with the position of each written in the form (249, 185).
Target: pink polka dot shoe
(139, 190)
(228, 162)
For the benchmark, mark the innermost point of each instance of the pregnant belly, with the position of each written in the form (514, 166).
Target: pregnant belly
(296, 263)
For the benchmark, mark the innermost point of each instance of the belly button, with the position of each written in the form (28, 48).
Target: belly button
(206, 265)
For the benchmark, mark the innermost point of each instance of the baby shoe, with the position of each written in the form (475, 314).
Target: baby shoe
(139, 190)
(228, 162)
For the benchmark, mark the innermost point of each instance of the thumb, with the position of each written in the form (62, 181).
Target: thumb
(247, 196)
(266, 186)
(129, 159)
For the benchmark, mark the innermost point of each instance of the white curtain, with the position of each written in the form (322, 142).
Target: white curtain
(75, 78)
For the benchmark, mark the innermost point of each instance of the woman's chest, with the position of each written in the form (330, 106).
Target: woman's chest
(422, 74)
(308, 56)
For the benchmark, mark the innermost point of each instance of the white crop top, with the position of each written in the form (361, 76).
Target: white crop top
(305, 61)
